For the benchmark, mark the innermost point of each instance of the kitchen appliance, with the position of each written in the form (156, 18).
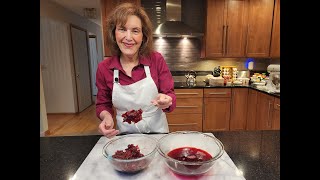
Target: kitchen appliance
(273, 84)
(191, 78)
(243, 77)
(243, 74)
(207, 78)
(173, 26)
(216, 81)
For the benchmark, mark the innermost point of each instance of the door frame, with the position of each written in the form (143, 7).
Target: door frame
(74, 65)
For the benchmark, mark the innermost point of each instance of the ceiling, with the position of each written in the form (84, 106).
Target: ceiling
(77, 6)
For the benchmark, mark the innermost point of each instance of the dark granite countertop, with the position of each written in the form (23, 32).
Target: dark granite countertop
(184, 85)
(255, 153)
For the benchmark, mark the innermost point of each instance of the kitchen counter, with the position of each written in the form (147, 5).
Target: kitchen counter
(255, 153)
(184, 85)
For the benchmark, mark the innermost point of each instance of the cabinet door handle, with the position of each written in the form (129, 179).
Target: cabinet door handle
(278, 105)
(226, 42)
(269, 114)
(187, 93)
(223, 39)
(184, 124)
(186, 106)
(216, 93)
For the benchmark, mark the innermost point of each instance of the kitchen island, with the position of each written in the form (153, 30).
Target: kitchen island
(255, 153)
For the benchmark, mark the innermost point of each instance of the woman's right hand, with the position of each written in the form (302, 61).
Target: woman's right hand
(106, 127)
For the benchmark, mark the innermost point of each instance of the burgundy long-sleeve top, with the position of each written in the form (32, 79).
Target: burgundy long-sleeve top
(160, 74)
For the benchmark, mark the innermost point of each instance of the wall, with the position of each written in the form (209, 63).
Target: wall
(58, 57)
(184, 54)
(57, 66)
(55, 11)
(43, 112)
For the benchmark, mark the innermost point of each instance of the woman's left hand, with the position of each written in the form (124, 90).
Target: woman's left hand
(163, 101)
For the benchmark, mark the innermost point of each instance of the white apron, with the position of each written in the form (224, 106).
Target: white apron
(135, 96)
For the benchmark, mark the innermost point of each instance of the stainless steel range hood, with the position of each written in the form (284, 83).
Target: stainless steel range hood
(173, 26)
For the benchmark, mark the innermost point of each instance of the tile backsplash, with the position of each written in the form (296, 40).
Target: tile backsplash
(184, 55)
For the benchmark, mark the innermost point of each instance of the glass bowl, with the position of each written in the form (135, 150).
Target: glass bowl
(146, 144)
(188, 141)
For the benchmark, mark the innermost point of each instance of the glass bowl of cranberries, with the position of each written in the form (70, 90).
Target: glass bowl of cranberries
(130, 153)
(190, 153)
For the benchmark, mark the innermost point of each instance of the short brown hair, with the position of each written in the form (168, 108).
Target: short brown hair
(119, 15)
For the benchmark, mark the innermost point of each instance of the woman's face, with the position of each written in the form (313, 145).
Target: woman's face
(129, 37)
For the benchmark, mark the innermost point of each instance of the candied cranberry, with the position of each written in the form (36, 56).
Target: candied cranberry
(132, 152)
(132, 116)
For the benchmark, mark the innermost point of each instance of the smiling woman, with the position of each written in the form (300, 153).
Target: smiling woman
(135, 77)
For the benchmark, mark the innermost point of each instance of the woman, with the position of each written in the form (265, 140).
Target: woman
(135, 77)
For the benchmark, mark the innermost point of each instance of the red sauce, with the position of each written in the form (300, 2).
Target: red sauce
(132, 116)
(189, 154)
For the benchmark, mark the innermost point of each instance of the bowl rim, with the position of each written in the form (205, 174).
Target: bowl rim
(219, 143)
(129, 160)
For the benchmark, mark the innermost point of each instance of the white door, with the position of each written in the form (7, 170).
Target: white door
(93, 63)
(81, 63)
(57, 67)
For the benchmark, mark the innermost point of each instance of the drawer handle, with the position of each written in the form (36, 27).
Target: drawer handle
(186, 106)
(219, 93)
(184, 124)
(187, 93)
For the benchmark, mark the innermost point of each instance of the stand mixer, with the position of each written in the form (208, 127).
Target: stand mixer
(273, 84)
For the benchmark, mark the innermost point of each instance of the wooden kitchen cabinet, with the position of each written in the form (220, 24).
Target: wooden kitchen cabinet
(259, 28)
(252, 110)
(263, 111)
(239, 105)
(266, 119)
(217, 105)
(275, 40)
(187, 116)
(106, 7)
(226, 28)
(276, 114)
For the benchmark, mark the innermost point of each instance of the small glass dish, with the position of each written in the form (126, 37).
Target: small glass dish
(146, 144)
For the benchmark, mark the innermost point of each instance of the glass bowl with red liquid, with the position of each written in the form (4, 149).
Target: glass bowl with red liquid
(130, 153)
(190, 153)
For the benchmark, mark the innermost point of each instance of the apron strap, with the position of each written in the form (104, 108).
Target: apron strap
(116, 76)
(147, 70)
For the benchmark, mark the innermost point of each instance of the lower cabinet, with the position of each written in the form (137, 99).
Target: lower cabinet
(276, 114)
(239, 103)
(252, 110)
(217, 105)
(223, 109)
(187, 116)
(268, 112)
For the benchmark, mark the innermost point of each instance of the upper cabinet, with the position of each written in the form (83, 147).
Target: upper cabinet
(226, 28)
(259, 28)
(242, 28)
(275, 41)
(106, 8)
